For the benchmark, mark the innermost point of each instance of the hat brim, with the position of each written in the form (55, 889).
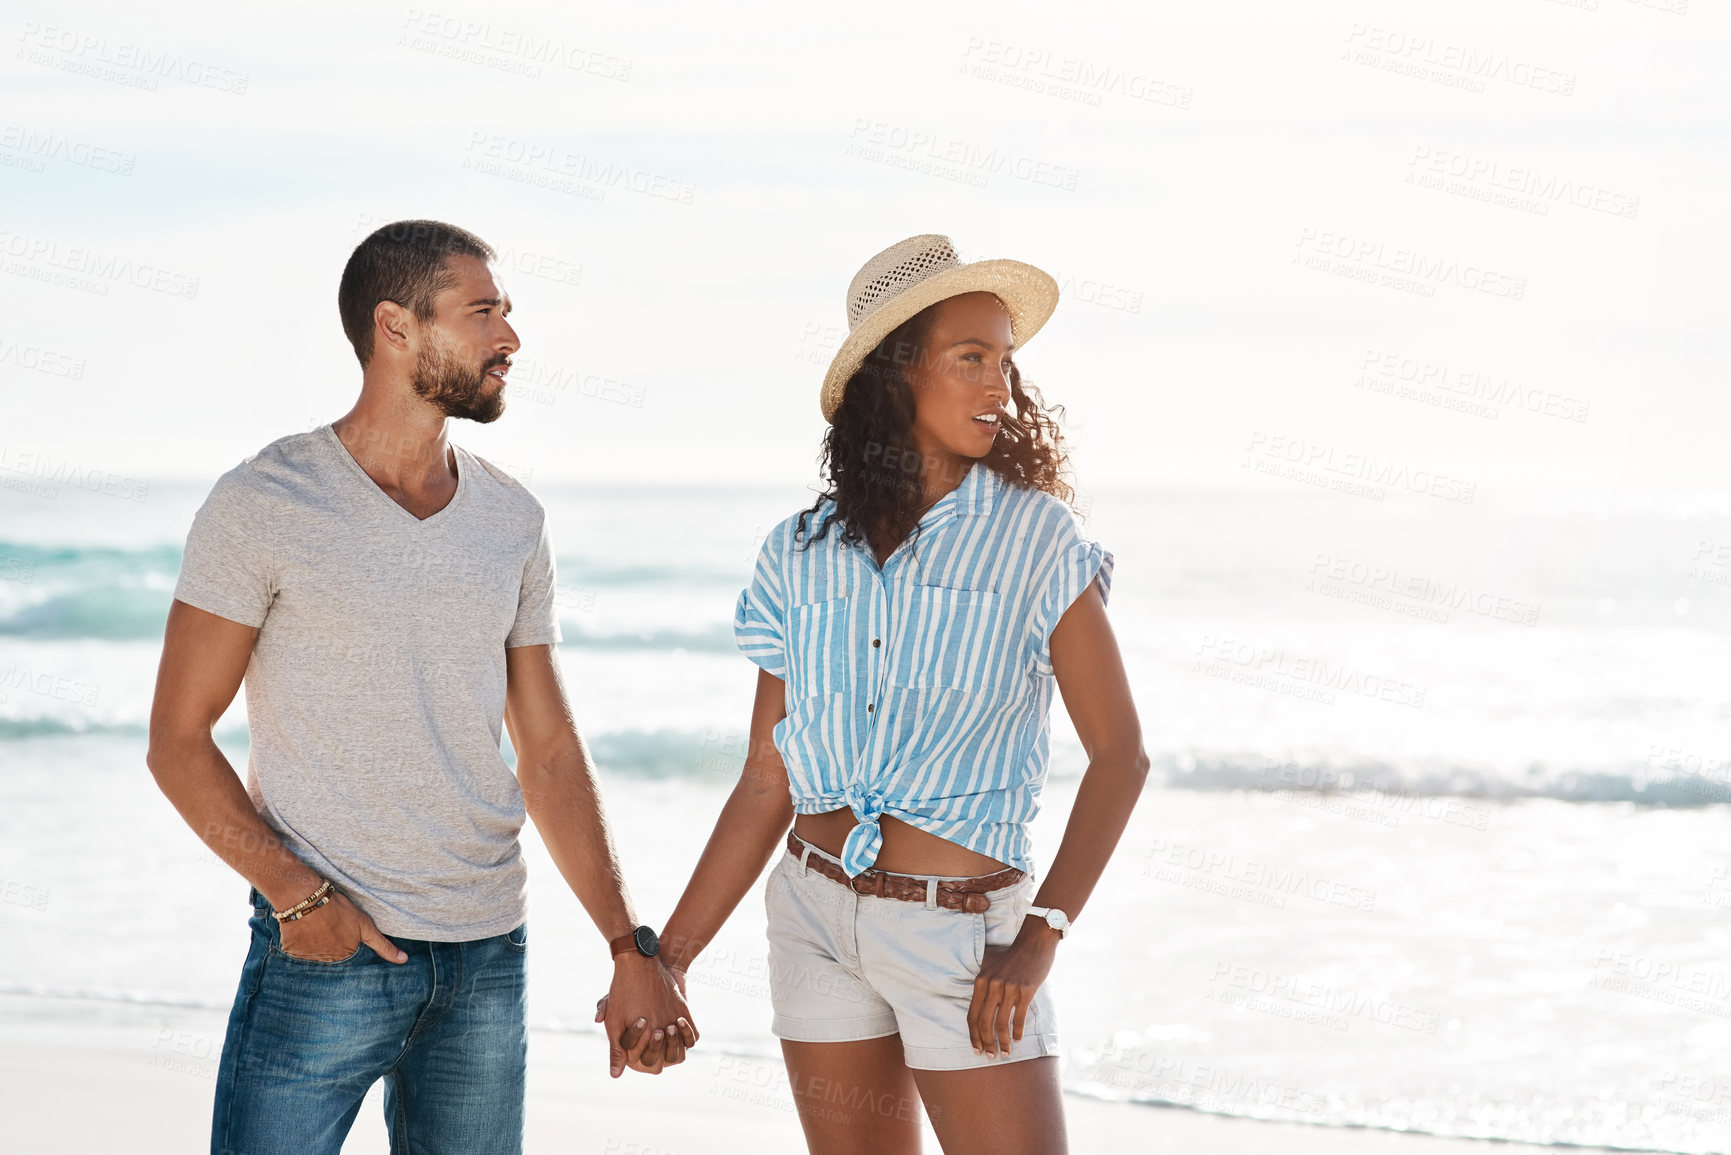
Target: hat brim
(1030, 295)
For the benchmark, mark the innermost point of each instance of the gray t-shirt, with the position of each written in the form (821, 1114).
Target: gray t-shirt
(376, 692)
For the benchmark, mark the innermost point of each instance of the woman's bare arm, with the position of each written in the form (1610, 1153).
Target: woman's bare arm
(1096, 692)
(752, 823)
(1090, 674)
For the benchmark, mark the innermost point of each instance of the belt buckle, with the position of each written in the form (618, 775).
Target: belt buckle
(873, 883)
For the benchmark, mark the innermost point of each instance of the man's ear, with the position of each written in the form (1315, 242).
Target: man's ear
(392, 324)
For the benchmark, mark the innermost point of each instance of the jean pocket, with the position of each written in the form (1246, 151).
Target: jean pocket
(360, 949)
(518, 939)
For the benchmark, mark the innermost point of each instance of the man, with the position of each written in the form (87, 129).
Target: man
(388, 598)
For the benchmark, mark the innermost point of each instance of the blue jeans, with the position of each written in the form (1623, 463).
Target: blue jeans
(306, 1041)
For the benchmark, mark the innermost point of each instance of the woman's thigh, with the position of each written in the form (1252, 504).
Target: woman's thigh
(854, 1098)
(1015, 1109)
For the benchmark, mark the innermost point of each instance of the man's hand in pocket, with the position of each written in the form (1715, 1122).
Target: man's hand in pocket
(335, 931)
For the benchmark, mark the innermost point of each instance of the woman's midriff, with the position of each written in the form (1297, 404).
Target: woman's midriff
(906, 849)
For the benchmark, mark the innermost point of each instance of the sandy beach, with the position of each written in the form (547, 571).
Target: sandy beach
(155, 1100)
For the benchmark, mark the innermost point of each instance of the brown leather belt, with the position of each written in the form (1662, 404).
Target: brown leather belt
(967, 894)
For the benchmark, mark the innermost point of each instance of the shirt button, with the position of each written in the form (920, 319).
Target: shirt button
(876, 642)
(868, 707)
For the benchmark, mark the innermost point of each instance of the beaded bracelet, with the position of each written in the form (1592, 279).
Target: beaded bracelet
(306, 905)
(300, 914)
(310, 903)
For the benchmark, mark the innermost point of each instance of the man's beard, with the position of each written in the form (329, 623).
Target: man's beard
(457, 389)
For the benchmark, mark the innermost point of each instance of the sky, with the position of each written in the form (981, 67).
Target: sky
(1482, 241)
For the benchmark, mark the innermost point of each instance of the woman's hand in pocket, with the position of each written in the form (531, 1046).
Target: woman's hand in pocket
(1004, 988)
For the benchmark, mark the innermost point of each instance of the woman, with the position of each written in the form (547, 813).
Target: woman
(909, 628)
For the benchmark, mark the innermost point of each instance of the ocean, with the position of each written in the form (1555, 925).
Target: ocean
(1437, 839)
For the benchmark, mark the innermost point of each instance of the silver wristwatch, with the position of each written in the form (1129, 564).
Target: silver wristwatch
(1055, 918)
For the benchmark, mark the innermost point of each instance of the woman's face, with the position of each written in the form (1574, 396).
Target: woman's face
(961, 379)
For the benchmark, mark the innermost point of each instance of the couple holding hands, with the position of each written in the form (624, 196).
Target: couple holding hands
(387, 600)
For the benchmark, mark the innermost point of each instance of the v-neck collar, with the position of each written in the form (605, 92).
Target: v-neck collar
(972, 498)
(462, 479)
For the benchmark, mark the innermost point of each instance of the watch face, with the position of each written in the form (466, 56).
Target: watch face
(1056, 919)
(647, 944)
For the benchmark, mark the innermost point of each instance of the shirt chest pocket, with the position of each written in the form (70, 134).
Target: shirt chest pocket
(950, 641)
(820, 657)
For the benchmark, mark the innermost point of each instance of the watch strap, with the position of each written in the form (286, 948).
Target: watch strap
(1043, 911)
(642, 940)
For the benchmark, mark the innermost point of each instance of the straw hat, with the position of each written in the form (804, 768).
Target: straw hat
(921, 271)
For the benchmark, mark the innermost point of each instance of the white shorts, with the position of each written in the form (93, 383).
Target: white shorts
(846, 966)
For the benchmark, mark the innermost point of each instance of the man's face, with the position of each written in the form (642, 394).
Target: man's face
(465, 350)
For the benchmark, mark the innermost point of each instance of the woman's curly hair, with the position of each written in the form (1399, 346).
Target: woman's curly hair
(872, 466)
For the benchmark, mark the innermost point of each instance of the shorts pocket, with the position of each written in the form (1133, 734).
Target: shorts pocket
(793, 909)
(1002, 922)
(772, 883)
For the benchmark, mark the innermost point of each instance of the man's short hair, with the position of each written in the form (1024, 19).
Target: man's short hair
(403, 262)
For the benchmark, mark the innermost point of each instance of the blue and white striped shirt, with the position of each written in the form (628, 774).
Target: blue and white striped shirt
(922, 689)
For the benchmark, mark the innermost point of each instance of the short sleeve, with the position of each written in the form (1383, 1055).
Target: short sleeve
(537, 621)
(1079, 562)
(760, 613)
(227, 568)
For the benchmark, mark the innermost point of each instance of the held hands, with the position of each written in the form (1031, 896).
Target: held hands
(659, 1032)
(335, 931)
(1005, 986)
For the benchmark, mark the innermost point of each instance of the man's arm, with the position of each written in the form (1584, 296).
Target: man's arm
(204, 658)
(563, 799)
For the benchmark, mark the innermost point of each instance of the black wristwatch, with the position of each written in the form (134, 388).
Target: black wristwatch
(642, 940)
